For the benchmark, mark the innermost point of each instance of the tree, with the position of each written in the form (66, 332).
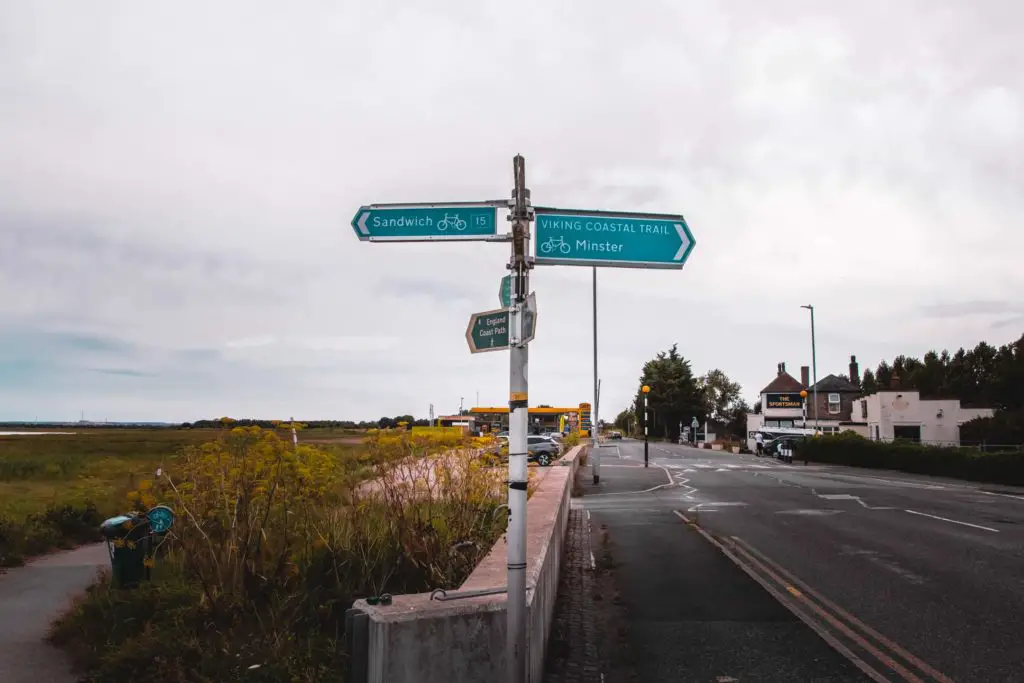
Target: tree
(624, 419)
(720, 395)
(869, 385)
(675, 395)
(737, 422)
(983, 377)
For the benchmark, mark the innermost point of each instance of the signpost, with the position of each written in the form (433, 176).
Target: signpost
(427, 222)
(601, 238)
(505, 292)
(564, 237)
(491, 330)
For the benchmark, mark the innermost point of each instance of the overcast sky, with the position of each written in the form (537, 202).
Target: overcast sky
(177, 181)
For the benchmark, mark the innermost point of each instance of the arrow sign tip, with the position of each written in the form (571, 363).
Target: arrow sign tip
(684, 241)
(363, 216)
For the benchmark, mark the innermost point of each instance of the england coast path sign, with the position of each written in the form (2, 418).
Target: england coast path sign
(492, 330)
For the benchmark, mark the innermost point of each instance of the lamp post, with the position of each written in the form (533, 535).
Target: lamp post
(814, 366)
(803, 405)
(646, 390)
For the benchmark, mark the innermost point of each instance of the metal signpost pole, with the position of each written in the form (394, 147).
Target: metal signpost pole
(518, 419)
(595, 454)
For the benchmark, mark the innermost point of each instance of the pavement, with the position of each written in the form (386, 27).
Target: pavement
(738, 568)
(31, 598)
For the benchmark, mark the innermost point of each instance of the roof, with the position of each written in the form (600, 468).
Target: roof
(497, 410)
(783, 383)
(836, 383)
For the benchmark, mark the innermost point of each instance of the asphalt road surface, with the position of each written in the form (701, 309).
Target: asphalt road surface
(867, 574)
(31, 598)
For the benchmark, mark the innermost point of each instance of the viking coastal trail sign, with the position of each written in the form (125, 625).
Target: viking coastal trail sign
(492, 330)
(600, 238)
(426, 222)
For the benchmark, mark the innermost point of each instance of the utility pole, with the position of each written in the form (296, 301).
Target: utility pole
(814, 367)
(595, 453)
(645, 389)
(521, 215)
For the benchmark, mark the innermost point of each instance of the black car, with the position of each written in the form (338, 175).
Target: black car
(782, 447)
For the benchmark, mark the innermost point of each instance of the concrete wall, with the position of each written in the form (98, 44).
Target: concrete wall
(419, 640)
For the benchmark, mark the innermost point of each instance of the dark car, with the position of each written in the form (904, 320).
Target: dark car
(615, 436)
(782, 447)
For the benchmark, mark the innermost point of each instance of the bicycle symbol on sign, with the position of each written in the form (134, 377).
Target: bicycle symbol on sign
(452, 221)
(555, 242)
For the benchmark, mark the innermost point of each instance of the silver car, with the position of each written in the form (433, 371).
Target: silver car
(542, 450)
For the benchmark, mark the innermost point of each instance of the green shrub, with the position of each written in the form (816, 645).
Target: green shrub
(851, 449)
(271, 545)
(57, 527)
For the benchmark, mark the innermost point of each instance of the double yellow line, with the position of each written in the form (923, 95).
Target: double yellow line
(866, 648)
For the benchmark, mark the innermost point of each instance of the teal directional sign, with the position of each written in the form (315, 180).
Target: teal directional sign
(505, 292)
(598, 238)
(425, 222)
(492, 330)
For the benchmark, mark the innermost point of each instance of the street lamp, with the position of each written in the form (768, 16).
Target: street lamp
(803, 405)
(646, 390)
(814, 367)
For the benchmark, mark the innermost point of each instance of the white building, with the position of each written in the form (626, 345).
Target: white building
(882, 416)
(903, 414)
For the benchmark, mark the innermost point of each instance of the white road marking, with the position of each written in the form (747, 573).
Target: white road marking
(944, 519)
(1001, 495)
(847, 496)
(699, 506)
(813, 512)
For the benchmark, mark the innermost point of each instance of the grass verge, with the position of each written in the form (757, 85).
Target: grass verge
(271, 545)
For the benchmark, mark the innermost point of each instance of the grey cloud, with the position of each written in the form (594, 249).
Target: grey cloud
(970, 308)
(122, 372)
(172, 195)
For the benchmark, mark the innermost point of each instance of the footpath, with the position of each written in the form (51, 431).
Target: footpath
(31, 598)
(643, 597)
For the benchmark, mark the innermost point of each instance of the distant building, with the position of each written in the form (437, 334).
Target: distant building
(903, 414)
(541, 419)
(885, 415)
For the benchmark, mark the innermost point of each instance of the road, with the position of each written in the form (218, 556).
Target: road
(31, 598)
(906, 578)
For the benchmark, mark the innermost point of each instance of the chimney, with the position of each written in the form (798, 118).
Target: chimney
(782, 368)
(805, 376)
(854, 371)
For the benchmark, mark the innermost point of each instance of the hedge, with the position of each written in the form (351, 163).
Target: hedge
(971, 464)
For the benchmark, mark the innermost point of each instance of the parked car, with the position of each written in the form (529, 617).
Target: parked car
(542, 450)
(555, 436)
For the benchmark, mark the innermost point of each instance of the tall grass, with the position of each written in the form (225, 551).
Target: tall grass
(273, 543)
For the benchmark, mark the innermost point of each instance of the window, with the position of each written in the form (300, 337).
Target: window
(834, 404)
(864, 409)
